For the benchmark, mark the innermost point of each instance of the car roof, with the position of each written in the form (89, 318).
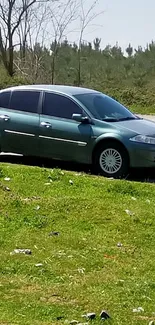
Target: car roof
(69, 90)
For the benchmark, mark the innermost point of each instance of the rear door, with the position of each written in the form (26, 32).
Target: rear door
(61, 136)
(19, 121)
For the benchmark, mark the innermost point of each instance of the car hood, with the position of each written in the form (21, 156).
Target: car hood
(139, 126)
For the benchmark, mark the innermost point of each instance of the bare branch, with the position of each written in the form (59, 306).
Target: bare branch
(14, 21)
(21, 14)
(85, 18)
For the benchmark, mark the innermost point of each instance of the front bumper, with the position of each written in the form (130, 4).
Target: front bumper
(142, 155)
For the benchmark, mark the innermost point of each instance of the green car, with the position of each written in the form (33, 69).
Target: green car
(75, 124)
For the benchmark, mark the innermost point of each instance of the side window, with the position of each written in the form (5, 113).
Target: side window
(26, 101)
(4, 99)
(60, 106)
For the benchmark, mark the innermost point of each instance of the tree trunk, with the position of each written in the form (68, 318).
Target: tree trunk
(3, 52)
(53, 68)
(10, 50)
(79, 68)
(10, 63)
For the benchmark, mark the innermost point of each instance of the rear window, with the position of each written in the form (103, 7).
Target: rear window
(25, 101)
(4, 99)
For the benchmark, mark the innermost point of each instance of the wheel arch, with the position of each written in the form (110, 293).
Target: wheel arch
(102, 141)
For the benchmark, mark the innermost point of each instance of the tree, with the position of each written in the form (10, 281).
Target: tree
(75, 47)
(86, 17)
(139, 50)
(129, 50)
(116, 52)
(61, 17)
(97, 42)
(13, 15)
(30, 26)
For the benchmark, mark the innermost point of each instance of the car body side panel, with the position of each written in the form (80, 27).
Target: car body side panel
(65, 139)
(20, 133)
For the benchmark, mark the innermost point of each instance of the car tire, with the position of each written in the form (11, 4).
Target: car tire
(111, 160)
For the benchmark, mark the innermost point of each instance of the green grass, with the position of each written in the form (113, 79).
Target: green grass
(143, 110)
(82, 269)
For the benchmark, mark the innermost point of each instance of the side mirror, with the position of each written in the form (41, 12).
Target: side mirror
(81, 119)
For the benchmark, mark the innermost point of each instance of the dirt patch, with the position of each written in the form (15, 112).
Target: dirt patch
(27, 289)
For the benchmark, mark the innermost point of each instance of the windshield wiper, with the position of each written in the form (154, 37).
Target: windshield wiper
(128, 118)
(110, 119)
(113, 119)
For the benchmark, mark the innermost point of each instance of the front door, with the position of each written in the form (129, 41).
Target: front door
(60, 136)
(19, 122)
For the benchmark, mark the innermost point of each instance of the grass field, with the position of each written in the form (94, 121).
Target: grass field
(143, 110)
(83, 269)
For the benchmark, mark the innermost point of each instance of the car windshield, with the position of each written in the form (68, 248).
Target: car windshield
(105, 108)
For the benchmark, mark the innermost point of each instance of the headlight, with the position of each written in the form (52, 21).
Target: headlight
(143, 139)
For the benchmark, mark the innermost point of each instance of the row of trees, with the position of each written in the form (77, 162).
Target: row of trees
(35, 48)
(88, 65)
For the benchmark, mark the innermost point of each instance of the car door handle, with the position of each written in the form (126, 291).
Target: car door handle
(4, 117)
(46, 124)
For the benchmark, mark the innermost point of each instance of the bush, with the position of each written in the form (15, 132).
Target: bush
(133, 96)
(129, 96)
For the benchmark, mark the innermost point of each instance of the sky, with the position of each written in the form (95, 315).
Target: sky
(123, 21)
